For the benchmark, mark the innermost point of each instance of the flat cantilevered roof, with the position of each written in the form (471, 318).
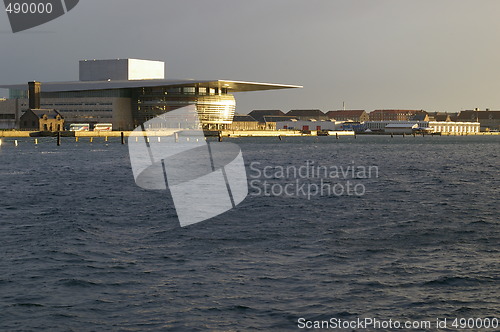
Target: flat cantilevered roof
(231, 86)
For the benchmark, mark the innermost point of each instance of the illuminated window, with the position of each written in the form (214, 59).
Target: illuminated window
(189, 90)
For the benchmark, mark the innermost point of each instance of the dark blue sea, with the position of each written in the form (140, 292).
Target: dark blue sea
(83, 248)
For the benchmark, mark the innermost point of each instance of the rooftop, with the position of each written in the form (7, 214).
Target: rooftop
(314, 112)
(345, 113)
(485, 115)
(51, 113)
(231, 86)
(260, 114)
(243, 118)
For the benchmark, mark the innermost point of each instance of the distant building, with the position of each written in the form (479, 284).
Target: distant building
(10, 113)
(260, 114)
(454, 127)
(489, 120)
(420, 116)
(394, 115)
(349, 115)
(271, 118)
(440, 116)
(401, 128)
(448, 127)
(271, 121)
(244, 122)
(379, 126)
(306, 115)
(355, 126)
(309, 125)
(42, 120)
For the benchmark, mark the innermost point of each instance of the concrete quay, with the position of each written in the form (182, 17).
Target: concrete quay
(222, 133)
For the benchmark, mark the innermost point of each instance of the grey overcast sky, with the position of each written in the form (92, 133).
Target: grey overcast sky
(437, 55)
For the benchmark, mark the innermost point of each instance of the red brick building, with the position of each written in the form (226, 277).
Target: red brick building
(346, 115)
(395, 115)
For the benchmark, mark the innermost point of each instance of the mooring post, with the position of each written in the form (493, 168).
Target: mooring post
(123, 138)
(58, 138)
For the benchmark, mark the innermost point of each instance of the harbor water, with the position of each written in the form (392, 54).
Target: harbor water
(83, 248)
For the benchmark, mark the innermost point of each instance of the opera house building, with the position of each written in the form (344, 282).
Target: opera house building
(129, 92)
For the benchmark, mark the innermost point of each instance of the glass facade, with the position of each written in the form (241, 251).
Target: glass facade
(18, 94)
(112, 93)
(215, 107)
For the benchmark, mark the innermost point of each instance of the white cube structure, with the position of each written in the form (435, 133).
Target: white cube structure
(121, 70)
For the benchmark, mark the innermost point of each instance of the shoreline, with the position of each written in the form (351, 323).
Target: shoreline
(222, 133)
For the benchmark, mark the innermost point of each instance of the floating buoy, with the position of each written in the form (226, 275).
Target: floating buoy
(15, 143)
(0, 142)
(36, 141)
(159, 139)
(76, 139)
(91, 139)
